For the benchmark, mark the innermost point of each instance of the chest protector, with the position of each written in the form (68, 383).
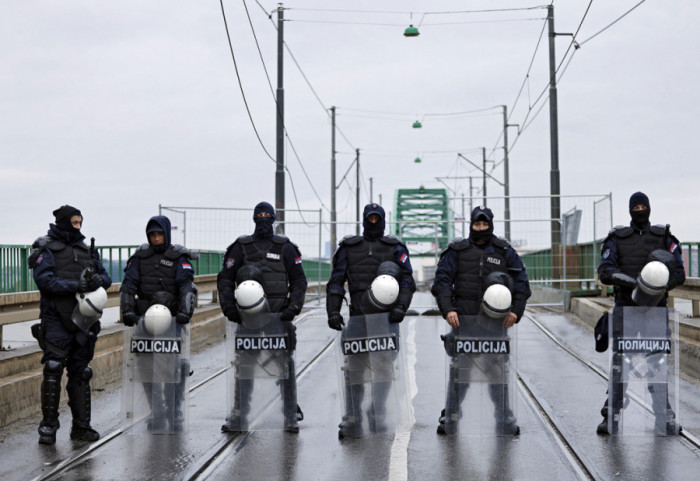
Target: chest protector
(633, 249)
(364, 258)
(267, 256)
(473, 266)
(71, 260)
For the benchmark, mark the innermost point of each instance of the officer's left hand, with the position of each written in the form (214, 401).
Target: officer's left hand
(182, 318)
(288, 313)
(510, 319)
(94, 282)
(397, 314)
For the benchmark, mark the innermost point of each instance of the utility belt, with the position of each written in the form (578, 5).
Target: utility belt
(39, 334)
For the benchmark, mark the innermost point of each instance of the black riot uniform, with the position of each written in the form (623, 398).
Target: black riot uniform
(63, 265)
(624, 253)
(161, 274)
(275, 262)
(461, 278)
(359, 260)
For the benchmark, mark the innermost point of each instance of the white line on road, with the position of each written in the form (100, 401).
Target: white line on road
(398, 463)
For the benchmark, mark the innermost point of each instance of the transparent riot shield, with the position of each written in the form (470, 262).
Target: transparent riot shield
(261, 377)
(155, 379)
(643, 388)
(373, 377)
(481, 378)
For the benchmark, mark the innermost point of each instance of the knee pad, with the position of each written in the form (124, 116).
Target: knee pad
(53, 368)
(86, 375)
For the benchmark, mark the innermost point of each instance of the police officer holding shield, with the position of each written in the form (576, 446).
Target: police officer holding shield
(625, 253)
(160, 272)
(360, 260)
(274, 262)
(66, 271)
(464, 272)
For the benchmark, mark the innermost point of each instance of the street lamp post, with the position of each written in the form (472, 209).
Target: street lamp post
(555, 201)
(279, 173)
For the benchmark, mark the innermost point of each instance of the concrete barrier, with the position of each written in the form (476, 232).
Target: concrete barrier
(21, 370)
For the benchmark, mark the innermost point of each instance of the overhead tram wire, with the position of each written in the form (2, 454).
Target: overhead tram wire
(611, 24)
(272, 92)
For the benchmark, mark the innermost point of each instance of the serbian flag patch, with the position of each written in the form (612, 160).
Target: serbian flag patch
(187, 266)
(404, 257)
(297, 260)
(673, 247)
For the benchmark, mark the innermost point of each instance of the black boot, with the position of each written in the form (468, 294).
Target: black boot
(505, 419)
(664, 417)
(456, 392)
(154, 395)
(237, 421)
(377, 413)
(351, 424)
(50, 399)
(604, 427)
(79, 400)
(176, 417)
(289, 399)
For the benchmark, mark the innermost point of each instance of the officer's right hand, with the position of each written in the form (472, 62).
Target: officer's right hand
(233, 315)
(335, 321)
(130, 318)
(623, 280)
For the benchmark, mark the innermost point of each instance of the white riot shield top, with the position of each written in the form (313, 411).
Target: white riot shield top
(481, 359)
(373, 377)
(261, 377)
(643, 388)
(155, 378)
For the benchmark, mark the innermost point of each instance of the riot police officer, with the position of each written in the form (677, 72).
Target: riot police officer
(460, 282)
(160, 272)
(63, 266)
(275, 262)
(358, 260)
(625, 252)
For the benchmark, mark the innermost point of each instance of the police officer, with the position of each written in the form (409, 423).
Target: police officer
(358, 260)
(460, 281)
(275, 262)
(160, 272)
(63, 266)
(625, 252)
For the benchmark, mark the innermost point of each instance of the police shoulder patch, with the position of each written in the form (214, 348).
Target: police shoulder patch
(229, 262)
(606, 253)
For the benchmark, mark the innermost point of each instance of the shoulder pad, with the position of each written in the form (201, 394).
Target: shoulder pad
(459, 244)
(659, 229)
(501, 242)
(144, 251)
(175, 251)
(351, 240)
(42, 242)
(279, 239)
(245, 239)
(621, 231)
(390, 239)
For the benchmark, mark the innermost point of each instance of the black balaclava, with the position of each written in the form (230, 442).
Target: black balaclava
(373, 231)
(159, 223)
(63, 215)
(263, 225)
(481, 213)
(640, 218)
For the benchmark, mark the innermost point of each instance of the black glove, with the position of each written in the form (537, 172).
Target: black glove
(397, 314)
(94, 282)
(623, 280)
(288, 313)
(182, 318)
(83, 285)
(335, 321)
(130, 318)
(233, 315)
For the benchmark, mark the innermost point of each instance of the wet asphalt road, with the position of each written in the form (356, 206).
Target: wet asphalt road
(570, 393)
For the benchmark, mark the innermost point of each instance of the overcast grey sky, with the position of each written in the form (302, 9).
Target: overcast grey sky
(117, 107)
